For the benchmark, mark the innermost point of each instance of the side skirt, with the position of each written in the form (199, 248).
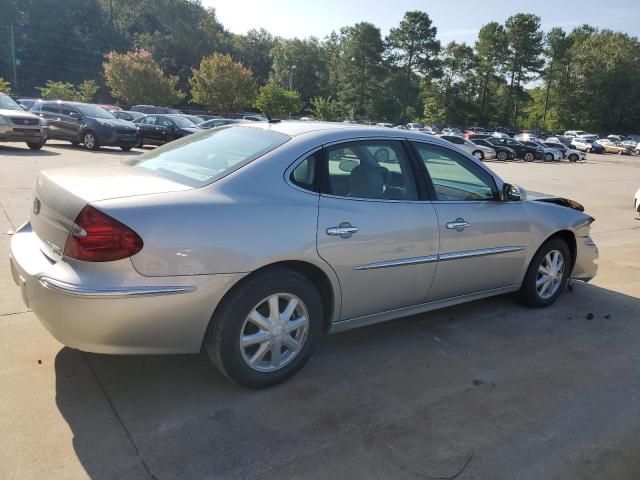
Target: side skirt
(416, 309)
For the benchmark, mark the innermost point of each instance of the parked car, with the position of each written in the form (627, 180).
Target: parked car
(549, 154)
(474, 131)
(479, 151)
(506, 131)
(16, 125)
(87, 124)
(613, 147)
(149, 109)
(561, 139)
(196, 119)
(160, 129)
(586, 145)
(503, 153)
(256, 118)
(415, 126)
(219, 122)
(162, 253)
(574, 133)
(26, 103)
(526, 152)
(571, 154)
(128, 115)
(384, 124)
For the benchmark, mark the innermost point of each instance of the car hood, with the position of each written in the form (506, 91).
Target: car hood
(191, 129)
(114, 122)
(16, 113)
(562, 201)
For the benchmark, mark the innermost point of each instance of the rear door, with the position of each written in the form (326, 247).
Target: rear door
(483, 241)
(374, 230)
(50, 111)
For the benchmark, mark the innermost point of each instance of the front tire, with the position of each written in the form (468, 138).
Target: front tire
(529, 157)
(36, 145)
(548, 157)
(573, 158)
(547, 275)
(478, 154)
(266, 330)
(90, 141)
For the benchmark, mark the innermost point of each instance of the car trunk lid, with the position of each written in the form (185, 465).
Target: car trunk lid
(60, 194)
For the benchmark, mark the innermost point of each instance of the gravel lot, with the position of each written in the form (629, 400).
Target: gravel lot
(489, 390)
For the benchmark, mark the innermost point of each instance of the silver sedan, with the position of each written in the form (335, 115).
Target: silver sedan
(250, 241)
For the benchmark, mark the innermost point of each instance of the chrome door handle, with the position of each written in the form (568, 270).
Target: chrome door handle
(459, 224)
(344, 231)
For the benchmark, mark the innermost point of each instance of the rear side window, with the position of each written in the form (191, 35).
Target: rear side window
(203, 157)
(50, 107)
(304, 175)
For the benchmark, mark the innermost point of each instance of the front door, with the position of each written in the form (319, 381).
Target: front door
(70, 124)
(483, 240)
(380, 239)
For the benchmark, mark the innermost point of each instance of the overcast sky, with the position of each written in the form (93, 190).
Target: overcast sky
(456, 20)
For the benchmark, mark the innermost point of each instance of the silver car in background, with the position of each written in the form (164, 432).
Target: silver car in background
(252, 240)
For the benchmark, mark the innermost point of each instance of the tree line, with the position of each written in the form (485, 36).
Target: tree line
(176, 52)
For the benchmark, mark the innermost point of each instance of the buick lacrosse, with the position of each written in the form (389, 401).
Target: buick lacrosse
(250, 241)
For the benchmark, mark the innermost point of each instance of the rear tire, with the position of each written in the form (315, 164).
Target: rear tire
(90, 141)
(502, 156)
(528, 157)
(36, 145)
(126, 148)
(479, 155)
(533, 292)
(548, 157)
(255, 365)
(573, 158)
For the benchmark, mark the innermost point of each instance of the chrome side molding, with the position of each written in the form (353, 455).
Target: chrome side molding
(443, 257)
(119, 292)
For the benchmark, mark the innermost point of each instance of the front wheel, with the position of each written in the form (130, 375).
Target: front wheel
(479, 155)
(36, 145)
(547, 275)
(267, 329)
(90, 141)
(502, 156)
(529, 157)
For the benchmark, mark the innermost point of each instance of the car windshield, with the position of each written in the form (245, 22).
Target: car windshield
(7, 103)
(93, 111)
(201, 158)
(183, 122)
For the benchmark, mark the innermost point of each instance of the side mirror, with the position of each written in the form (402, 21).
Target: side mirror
(75, 115)
(511, 193)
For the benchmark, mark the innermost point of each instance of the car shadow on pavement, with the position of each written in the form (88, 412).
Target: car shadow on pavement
(489, 387)
(26, 152)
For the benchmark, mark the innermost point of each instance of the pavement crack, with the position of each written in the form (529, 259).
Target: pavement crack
(14, 313)
(119, 418)
(6, 214)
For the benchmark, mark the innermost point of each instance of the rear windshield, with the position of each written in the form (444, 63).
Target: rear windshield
(203, 157)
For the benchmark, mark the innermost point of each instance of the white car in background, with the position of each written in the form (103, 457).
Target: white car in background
(574, 133)
(479, 151)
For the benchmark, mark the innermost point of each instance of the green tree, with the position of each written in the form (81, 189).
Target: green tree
(458, 83)
(253, 50)
(86, 91)
(58, 91)
(524, 49)
(221, 83)
(434, 111)
(5, 86)
(325, 109)
(277, 101)
(491, 53)
(300, 64)
(361, 65)
(134, 77)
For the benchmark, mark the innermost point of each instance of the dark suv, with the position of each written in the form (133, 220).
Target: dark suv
(526, 152)
(88, 124)
(160, 129)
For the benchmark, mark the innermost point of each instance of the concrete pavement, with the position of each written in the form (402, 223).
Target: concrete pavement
(488, 390)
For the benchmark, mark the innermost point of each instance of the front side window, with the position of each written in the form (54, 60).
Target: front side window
(150, 120)
(370, 169)
(51, 108)
(165, 122)
(199, 159)
(67, 109)
(454, 177)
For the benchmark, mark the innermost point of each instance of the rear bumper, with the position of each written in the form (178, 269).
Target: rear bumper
(586, 266)
(109, 307)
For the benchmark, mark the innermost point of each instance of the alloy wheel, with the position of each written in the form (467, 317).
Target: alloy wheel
(274, 332)
(502, 156)
(550, 274)
(89, 141)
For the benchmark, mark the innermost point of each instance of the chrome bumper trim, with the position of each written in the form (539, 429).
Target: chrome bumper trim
(123, 292)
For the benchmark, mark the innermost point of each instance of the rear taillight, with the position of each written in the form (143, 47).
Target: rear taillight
(96, 237)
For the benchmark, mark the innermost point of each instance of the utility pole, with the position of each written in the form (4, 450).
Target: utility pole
(13, 58)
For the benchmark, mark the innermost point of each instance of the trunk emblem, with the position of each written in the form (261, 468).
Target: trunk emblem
(36, 205)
